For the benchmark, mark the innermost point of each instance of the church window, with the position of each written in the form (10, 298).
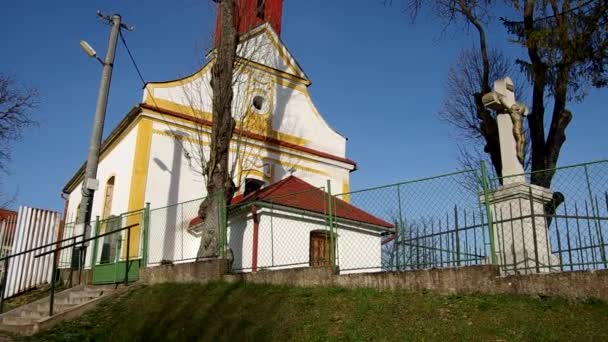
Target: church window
(107, 203)
(252, 185)
(261, 8)
(258, 102)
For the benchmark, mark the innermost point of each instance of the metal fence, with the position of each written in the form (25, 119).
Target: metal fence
(176, 232)
(436, 222)
(564, 229)
(458, 219)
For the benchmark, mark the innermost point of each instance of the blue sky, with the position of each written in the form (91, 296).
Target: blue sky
(377, 78)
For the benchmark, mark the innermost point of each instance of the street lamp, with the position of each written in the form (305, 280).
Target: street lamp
(89, 183)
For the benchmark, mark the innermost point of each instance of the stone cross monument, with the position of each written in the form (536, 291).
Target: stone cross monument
(510, 115)
(521, 237)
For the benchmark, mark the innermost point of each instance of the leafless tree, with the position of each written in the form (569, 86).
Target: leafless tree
(460, 109)
(567, 46)
(16, 105)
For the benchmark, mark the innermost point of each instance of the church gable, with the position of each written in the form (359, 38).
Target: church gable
(263, 46)
(271, 97)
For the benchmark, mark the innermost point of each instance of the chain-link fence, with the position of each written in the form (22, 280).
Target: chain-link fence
(426, 223)
(458, 219)
(176, 232)
(561, 229)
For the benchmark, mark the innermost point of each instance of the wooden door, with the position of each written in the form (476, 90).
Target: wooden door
(319, 248)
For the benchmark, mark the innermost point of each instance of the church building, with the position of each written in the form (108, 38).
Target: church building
(157, 152)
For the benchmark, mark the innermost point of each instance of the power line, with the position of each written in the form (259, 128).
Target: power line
(144, 83)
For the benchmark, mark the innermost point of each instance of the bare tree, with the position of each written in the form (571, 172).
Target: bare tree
(567, 47)
(216, 169)
(232, 151)
(16, 105)
(460, 109)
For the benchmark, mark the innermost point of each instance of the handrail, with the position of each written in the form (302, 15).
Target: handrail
(41, 247)
(87, 240)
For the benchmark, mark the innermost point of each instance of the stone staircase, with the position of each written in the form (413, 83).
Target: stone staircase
(68, 304)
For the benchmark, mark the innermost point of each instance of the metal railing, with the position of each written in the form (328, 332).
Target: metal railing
(81, 243)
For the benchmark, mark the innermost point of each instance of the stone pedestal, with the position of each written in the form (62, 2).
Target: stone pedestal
(521, 238)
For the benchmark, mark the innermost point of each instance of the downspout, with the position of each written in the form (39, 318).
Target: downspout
(254, 247)
(62, 222)
(66, 200)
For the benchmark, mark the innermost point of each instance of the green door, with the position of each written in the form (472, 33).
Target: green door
(109, 252)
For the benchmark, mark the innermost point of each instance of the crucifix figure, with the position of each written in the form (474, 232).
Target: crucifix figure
(510, 116)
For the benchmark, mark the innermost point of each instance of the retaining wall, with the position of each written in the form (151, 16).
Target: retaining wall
(470, 279)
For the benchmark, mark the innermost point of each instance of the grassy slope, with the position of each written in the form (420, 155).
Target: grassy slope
(221, 311)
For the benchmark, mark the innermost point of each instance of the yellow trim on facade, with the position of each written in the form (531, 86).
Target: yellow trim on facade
(178, 108)
(250, 154)
(345, 191)
(181, 81)
(139, 176)
(256, 173)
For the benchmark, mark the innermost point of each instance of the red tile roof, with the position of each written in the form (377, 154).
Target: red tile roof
(4, 213)
(295, 193)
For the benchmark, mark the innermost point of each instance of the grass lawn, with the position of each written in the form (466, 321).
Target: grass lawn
(235, 312)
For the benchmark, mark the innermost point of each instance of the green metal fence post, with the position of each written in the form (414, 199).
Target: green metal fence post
(596, 214)
(486, 201)
(146, 235)
(94, 254)
(399, 229)
(222, 223)
(331, 225)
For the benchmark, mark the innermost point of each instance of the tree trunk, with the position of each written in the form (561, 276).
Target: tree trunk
(217, 170)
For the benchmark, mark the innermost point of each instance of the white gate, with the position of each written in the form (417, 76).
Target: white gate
(32, 228)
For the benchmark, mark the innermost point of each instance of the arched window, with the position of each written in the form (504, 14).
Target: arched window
(107, 202)
(77, 213)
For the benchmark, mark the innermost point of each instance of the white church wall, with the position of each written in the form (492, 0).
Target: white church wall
(284, 242)
(172, 178)
(118, 163)
(359, 249)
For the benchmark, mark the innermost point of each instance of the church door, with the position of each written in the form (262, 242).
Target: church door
(319, 248)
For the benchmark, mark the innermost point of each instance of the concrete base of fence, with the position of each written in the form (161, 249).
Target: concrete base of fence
(302, 277)
(199, 271)
(571, 285)
(471, 279)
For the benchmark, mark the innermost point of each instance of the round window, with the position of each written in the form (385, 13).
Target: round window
(259, 103)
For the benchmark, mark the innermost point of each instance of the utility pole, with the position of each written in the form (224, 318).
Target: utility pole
(89, 183)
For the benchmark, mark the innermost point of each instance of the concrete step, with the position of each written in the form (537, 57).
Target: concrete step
(34, 315)
(16, 320)
(56, 307)
(67, 305)
(73, 300)
(86, 294)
